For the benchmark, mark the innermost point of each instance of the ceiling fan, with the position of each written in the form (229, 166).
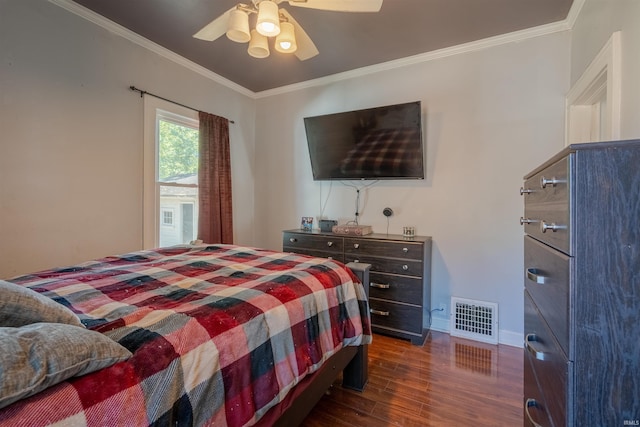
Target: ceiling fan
(273, 21)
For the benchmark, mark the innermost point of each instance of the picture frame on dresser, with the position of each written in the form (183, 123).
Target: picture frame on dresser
(306, 223)
(399, 278)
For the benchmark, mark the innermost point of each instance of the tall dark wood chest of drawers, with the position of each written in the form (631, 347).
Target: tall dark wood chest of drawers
(582, 287)
(400, 275)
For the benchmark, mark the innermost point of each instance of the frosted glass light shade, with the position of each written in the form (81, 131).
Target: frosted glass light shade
(258, 46)
(286, 40)
(268, 23)
(238, 26)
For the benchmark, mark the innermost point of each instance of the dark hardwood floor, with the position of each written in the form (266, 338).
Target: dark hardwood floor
(448, 381)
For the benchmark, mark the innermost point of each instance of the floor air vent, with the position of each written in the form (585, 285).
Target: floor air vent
(476, 320)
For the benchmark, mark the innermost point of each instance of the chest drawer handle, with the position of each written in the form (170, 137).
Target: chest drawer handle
(544, 226)
(530, 403)
(379, 285)
(356, 245)
(293, 239)
(528, 340)
(524, 220)
(405, 267)
(524, 191)
(405, 250)
(379, 312)
(329, 244)
(534, 276)
(552, 182)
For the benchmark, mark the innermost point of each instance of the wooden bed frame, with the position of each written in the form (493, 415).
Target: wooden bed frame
(351, 361)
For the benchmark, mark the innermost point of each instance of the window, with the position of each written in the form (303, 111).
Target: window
(171, 174)
(167, 217)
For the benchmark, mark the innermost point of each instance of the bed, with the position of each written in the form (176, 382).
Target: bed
(186, 335)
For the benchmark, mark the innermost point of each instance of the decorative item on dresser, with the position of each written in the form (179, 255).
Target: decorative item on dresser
(400, 276)
(582, 287)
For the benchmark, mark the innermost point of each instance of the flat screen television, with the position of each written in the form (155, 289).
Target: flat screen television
(374, 143)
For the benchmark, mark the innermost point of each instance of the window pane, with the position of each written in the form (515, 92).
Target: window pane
(177, 152)
(178, 180)
(181, 203)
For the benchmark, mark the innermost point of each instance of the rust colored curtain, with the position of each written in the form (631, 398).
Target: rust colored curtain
(215, 223)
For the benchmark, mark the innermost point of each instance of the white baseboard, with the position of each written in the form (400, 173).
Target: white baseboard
(514, 339)
(440, 324)
(506, 337)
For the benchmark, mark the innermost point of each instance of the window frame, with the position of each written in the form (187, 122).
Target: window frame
(155, 110)
(164, 217)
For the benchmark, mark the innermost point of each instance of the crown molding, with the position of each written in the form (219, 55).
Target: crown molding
(514, 37)
(572, 16)
(121, 31)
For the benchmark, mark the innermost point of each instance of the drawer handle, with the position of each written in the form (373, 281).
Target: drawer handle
(534, 276)
(552, 182)
(293, 239)
(530, 403)
(378, 312)
(329, 244)
(524, 220)
(533, 338)
(379, 285)
(524, 191)
(330, 258)
(544, 226)
(356, 245)
(405, 267)
(405, 250)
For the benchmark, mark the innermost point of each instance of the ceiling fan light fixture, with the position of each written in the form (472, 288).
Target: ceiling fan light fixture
(286, 40)
(268, 23)
(258, 46)
(238, 26)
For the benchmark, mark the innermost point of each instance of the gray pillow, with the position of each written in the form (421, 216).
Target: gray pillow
(37, 356)
(21, 306)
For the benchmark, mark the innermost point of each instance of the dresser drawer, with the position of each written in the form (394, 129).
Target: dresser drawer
(396, 316)
(392, 249)
(546, 278)
(550, 365)
(315, 253)
(396, 288)
(535, 409)
(406, 267)
(310, 241)
(547, 205)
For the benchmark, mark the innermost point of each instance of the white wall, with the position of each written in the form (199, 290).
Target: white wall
(490, 117)
(71, 145)
(71, 136)
(599, 19)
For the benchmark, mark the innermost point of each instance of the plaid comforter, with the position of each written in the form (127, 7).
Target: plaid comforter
(219, 334)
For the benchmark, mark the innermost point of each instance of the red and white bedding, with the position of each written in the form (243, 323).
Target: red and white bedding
(219, 334)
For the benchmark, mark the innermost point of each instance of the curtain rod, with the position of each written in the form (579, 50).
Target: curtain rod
(144, 92)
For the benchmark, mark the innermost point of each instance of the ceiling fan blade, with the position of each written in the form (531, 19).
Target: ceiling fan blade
(340, 5)
(215, 28)
(306, 48)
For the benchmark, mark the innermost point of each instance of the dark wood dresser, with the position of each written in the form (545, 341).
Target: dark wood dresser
(400, 275)
(582, 287)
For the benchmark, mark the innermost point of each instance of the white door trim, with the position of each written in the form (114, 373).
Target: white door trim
(593, 103)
